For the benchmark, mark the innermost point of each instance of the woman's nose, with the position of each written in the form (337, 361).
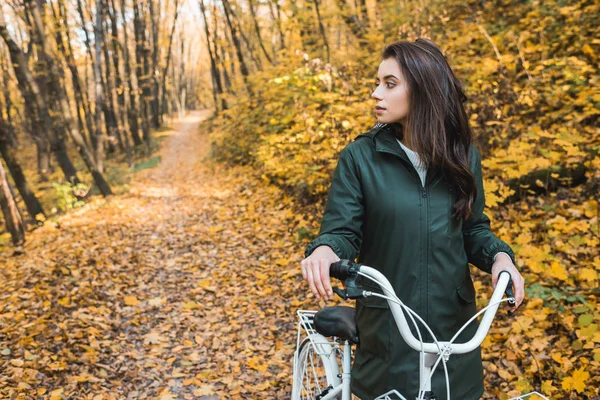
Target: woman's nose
(376, 94)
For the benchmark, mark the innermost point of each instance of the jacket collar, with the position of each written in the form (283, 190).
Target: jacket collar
(385, 141)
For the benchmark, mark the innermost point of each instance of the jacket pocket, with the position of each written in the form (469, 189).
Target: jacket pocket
(373, 322)
(466, 291)
(372, 301)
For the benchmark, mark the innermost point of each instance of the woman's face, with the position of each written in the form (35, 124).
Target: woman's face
(391, 93)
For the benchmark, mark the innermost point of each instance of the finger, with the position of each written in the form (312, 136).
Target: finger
(519, 291)
(303, 269)
(317, 276)
(311, 281)
(325, 279)
(494, 280)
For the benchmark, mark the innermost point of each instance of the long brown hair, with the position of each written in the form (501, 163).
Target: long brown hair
(437, 121)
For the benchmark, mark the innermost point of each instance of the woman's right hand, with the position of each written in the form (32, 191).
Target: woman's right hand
(315, 270)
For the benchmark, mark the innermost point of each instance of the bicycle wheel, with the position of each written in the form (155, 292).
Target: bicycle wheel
(316, 368)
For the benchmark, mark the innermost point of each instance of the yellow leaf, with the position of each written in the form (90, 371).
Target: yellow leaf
(131, 301)
(255, 363)
(17, 362)
(547, 387)
(588, 274)
(577, 381)
(559, 271)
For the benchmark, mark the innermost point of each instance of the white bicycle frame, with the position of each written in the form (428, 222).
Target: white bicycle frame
(430, 353)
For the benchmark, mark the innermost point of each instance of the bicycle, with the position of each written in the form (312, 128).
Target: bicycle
(316, 367)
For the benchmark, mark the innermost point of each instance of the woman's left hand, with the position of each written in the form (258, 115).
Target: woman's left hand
(504, 263)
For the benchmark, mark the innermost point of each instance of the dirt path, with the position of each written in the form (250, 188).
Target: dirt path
(185, 287)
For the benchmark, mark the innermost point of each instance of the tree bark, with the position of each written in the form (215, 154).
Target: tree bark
(119, 89)
(257, 30)
(132, 109)
(353, 22)
(156, 116)
(31, 94)
(99, 150)
(12, 217)
(278, 22)
(213, 66)
(166, 69)
(236, 43)
(9, 155)
(83, 149)
(110, 99)
(249, 46)
(142, 69)
(322, 30)
(67, 51)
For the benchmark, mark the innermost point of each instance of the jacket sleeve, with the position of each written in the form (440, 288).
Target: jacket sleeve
(481, 244)
(341, 226)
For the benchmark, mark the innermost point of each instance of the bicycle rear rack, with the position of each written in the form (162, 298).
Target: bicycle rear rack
(531, 396)
(306, 329)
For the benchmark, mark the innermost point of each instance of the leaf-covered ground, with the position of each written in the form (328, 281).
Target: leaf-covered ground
(186, 287)
(182, 288)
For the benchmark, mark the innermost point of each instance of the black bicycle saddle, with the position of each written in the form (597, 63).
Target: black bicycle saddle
(337, 321)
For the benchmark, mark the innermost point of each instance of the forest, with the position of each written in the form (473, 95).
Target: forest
(165, 163)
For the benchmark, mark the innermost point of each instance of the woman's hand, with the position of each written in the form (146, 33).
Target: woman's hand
(504, 263)
(315, 270)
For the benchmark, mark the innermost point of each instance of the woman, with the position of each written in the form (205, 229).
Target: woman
(407, 198)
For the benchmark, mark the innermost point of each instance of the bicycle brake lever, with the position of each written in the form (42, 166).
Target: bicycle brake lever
(351, 292)
(511, 295)
(341, 292)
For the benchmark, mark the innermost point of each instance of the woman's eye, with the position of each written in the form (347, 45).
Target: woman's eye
(389, 85)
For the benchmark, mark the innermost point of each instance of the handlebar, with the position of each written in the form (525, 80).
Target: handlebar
(348, 271)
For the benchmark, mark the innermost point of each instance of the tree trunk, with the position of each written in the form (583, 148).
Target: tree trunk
(119, 88)
(9, 155)
(221, 62)
(236, 43)
(84, 150)
(156, 120)
(111, 95)
(322, 30)
(67, 51)
(31, 94)
(353, 22)
(141, 61)
(88, 47)
(278, 21)
(132, 110)
(257, 30)
(249, 46)
(166, 69)
(213, 66)
(12, 217)
(98, 86)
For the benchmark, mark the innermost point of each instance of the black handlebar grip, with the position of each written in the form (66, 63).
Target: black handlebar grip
(339, 269)
(509, 290)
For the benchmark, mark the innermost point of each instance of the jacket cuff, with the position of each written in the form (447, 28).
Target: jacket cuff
(324, 239)
(496, 249)
(501, 252)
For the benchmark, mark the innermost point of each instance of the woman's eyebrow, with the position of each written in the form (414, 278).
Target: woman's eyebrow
(388, 76)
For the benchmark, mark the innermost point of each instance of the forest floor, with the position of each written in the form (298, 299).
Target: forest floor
(184, 287)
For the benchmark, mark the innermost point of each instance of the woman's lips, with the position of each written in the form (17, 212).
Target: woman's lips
(379, 110)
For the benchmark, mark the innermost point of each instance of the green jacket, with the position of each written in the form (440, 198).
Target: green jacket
(378, 210)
